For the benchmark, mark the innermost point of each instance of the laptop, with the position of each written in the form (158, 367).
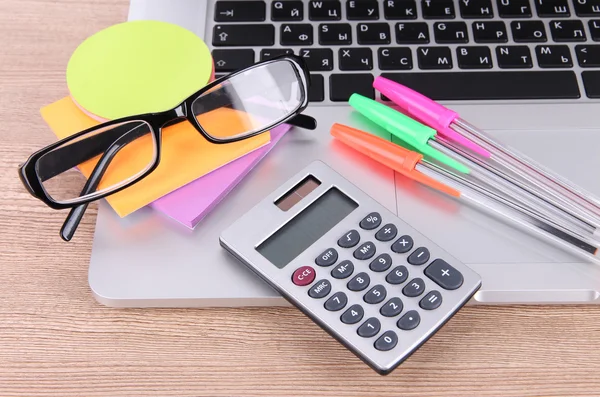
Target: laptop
(527, 71)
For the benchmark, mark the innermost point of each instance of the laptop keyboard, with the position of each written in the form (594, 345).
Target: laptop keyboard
(460, 50)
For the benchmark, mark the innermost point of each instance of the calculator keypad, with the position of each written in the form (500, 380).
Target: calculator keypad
(387, 341)
(444, 275)
(320, 290)
(381, 263)
(398, 275)
(369, 328)
(343, 270)
(375, 295)
(354, 314)
(365, 251)
(410, 320)
(371, 221)
(349, 239)
(337, 302)
(327, 258)
(387, 232)
(415, 287)
(403, 244)
(431, 301)
(360, 282)
(392, 308)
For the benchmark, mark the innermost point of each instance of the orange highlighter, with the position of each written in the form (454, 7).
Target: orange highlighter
(414, 166)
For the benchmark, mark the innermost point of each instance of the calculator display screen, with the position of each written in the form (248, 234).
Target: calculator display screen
(307, 227)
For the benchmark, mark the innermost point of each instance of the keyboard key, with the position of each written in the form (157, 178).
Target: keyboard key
(476, 8)
(474, 57)
(289, 10)
(490, 32)
(387, 232)
(337, 302)
(434, 58)
(387, 341)
(438, 9)
(420, 256)
(594, 25)
(395, 58)
(553, 56)
(344, 269)
(400, 9)
(335, 34)
(369, 328)
(450, 32)
(270, 53)
(556, 84)
(342, 86)
(362, 9)
(591, 82)
(243, 35)
(398, 275)
(316, 91)
(355, 59)
(552, 8)
(392, 308)
(304, 275)
(412, 33)
(403, 244)
(381, 263)
(444, 275)
(240, 11)
(317, 59)
(320, 289)
(415, 287)
(514, 57)
(327, 257)
(514, 8)
(588, 56)
(528, 31)
(431, 301)
(589, 8)
(365, 251)
(296, 34)
(324, 10)
(375, 295)
(359, 282)
(410, 320)
(231, 60)
(349, 239)
(353, 315)
(371, 221)
(373, 33)
(565, 31)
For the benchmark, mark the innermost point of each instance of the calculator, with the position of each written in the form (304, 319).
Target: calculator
(365, 276)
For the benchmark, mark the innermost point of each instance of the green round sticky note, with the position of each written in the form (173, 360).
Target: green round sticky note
(137, 67)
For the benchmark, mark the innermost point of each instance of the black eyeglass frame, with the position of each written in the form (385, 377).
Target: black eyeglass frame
(157, 121)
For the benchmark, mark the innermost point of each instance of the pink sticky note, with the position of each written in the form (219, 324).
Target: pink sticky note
(192, 202)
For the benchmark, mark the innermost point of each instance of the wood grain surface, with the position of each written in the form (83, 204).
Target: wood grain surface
(55, 340)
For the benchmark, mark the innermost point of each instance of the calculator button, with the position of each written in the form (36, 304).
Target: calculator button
(369, 328)
(353, 315)
(371, 221)
(444, 275)
(327, 258)
(336, 302)
(365, 251)
(431, 301)
(403, 244)
(415, 287)
(349, 239)
(359, 282)
(387, 341)
(303, 276)
(398, 275)
(381, 263)
(419, 257)
(375, 295)
(409, 321)
(387, 232)
(343, 269)
(321, 289)
(392, 308)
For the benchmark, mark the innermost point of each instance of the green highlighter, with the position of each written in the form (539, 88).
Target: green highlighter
(404, 128)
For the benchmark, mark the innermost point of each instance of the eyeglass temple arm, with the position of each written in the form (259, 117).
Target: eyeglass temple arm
(76, 214)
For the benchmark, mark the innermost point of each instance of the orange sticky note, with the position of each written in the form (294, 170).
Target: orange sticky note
(186, 155)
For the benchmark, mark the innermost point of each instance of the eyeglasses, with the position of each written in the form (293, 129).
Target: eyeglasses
(260, 97)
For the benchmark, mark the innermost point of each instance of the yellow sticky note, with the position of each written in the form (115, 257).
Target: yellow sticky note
(186, 155)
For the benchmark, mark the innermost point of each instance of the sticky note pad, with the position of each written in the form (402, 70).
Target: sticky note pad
(189, 204)
(186, 155)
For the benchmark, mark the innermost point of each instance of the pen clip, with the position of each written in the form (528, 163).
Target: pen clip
(389, 154)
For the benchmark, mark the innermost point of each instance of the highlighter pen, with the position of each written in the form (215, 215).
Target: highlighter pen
(420, 137)
(448, 123)
(414, 166)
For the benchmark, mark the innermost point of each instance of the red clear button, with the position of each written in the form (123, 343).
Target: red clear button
(304, 275)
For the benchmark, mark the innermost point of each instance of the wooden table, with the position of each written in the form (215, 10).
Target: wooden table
(56, 340)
